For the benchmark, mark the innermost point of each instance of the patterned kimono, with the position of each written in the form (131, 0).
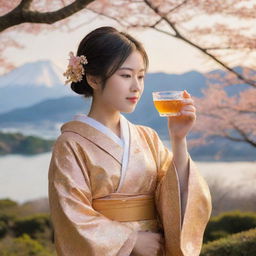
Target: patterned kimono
(91, 164)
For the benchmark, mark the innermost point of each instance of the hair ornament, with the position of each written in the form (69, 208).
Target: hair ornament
(75, 69)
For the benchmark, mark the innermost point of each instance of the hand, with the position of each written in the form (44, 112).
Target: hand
(179, 126)
(148, 244)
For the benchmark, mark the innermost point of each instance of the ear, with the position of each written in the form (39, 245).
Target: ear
(93, 81)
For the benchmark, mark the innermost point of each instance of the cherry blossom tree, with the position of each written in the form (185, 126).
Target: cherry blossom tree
(223, 31)
(30, 16)
(231, 117)
(213, 27)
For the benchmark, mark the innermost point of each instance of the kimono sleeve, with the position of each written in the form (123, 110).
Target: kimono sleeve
(79, 229)
(183, 237)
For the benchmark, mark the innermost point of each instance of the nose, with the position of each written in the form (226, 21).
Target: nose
(136, 85)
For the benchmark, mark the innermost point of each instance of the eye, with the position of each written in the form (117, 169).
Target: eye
(126, 75)
(141, 77)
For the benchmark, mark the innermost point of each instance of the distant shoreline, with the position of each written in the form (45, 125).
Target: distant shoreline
(17, 143)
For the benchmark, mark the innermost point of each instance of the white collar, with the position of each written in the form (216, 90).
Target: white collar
(102, 128)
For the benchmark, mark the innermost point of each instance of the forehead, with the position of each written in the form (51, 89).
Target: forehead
(134, 61)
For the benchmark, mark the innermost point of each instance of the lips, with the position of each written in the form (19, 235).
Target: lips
(132, 99)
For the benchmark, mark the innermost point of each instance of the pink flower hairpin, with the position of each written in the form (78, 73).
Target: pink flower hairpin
(75, 69)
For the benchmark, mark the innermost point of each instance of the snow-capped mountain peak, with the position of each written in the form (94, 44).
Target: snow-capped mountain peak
(41, 73)
(31, 83)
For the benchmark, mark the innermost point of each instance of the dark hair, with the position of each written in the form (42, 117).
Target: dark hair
(106, 49)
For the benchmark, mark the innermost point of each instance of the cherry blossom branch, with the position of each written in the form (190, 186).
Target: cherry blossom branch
(109, 17)
(245, 137)
(22, 14)
(178, 35)
(238, 111)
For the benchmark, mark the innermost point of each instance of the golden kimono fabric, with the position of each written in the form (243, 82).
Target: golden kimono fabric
(85, 166)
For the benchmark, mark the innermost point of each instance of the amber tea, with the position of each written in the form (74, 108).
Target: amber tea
(168, 103)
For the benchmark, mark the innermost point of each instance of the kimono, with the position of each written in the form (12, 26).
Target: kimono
(91, 166)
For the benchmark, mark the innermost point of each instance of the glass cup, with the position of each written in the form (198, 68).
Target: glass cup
(168, 103)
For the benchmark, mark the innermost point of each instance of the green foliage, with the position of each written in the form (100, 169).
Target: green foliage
(3, 229)
(229, 223)
(240, 244)
(10, 209)
(9, 141)
(18, 143)
(23, 246)
(12, 215)
(32, 225)
(34, 145)
(7, 208)
(7, 203)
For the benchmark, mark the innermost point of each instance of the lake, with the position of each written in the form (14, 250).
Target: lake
(24, 178)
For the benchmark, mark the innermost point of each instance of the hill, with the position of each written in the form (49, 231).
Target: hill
(20, 144)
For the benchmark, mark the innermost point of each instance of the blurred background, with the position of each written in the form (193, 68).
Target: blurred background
(206, 47)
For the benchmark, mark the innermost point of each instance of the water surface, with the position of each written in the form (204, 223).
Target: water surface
(26, 178)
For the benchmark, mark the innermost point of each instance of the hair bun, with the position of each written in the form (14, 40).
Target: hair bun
(82, 88)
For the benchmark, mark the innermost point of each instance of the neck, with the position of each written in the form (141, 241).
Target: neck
(108, 118)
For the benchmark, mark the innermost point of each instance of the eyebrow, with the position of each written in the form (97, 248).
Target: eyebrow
(130, 69)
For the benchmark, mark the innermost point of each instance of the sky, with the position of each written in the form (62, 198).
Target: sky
(166, 54)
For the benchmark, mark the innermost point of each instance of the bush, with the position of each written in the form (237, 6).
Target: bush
(229, 223)
(7, 203)
(240, 244)
(18, 143)
(33, 145)
(3, 229)
(23, 246)
(31, 225)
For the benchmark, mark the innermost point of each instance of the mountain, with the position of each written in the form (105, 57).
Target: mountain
(34, 82)
(38, 74)
(38, 81)
(60, 110)
(214, 75)
(37, 106)
(30, 84)
(51, 110)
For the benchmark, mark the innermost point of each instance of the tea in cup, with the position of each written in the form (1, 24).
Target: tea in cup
(168, 103)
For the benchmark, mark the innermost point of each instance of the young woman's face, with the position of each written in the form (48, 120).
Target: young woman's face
(123, 89)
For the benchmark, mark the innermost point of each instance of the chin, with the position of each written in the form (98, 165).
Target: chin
(127, 111)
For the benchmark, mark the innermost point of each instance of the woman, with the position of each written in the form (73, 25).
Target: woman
(114, 188)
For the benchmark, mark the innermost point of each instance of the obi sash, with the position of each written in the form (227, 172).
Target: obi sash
(127, 208)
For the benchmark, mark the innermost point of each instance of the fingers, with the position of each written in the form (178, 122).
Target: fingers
(159, 241)
(187, 101)
(158, 248)
(148, 243)
(187, 98)
(189, 115)
(188, 107)
(186, 94)
(159, 238)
